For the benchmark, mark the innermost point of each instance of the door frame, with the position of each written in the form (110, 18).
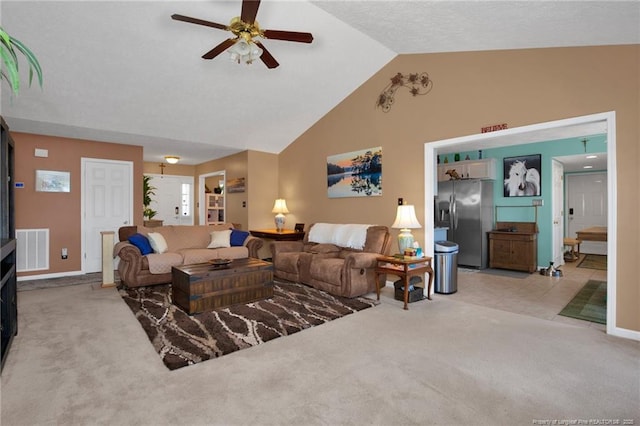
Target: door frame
(83, 171)
(202, 195)
(515, 136)
(558, 199)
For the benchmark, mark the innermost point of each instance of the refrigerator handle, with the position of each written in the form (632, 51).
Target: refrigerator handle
(455, 212)
(451, 212)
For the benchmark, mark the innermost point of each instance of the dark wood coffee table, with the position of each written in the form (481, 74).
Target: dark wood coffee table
(205, 287)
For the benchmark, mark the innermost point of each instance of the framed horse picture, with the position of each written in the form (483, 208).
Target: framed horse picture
(522, 176)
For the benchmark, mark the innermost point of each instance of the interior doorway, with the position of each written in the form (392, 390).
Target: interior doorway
(555, 130)
(218, 177)
(173, 199)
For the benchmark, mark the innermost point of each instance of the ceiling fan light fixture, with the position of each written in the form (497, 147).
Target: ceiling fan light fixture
(172, 159)
(244, 51)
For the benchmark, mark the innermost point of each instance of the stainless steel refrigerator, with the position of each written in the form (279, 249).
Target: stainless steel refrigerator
(466, 207)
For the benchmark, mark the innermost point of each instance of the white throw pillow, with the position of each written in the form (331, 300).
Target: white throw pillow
(220, 239)
(157, 241)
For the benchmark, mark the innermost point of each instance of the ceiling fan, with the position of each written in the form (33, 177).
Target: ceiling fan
(243, 47)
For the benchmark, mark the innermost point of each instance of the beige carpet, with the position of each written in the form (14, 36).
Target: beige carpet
(81, 358)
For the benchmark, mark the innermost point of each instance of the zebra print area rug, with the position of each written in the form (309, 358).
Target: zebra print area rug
(183, 340)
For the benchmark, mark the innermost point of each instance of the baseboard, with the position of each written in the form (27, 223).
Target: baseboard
(624, 333)
(45, 276)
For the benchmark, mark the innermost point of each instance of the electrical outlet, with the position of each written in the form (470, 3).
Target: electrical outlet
(400, 201)
(64, 253)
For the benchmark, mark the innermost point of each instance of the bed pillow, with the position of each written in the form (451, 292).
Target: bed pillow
(157, 241)
(141, 242)
(220, 239)
(238, 237)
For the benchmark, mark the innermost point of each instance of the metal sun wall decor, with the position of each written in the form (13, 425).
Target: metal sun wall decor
(417, 84)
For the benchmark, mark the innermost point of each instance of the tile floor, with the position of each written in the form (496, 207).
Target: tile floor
(534, 295)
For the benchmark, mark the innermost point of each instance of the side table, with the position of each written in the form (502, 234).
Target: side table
(405, 269)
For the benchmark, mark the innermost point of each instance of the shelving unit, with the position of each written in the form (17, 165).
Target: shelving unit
(8, 294)
(215, 209)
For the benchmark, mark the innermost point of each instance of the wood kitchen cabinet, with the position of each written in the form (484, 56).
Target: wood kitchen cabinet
(514, 245)
(469, 169)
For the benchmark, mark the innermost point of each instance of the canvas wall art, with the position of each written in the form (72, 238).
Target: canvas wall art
(355, 174)
(522, 176)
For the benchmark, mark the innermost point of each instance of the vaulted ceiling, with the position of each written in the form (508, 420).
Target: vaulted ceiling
(125, 72)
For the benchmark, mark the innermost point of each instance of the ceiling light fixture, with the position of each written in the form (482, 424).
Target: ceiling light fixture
(591, 156)
(245, 50)
(171, 159)
(587, 167)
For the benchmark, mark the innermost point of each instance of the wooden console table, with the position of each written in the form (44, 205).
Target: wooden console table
(595, 233)
(273, 234)
(405, 269)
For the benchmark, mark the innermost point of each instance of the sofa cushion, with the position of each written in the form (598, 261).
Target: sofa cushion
(238, 237)
(141, 242)
(322, 248)
(162, 263)
(157, 241)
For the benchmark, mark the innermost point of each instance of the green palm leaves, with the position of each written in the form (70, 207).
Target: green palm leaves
(9, 47)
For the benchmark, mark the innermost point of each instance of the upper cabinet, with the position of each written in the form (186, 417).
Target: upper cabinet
(469, 169)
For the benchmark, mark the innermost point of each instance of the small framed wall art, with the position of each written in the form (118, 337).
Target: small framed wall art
(53, 181)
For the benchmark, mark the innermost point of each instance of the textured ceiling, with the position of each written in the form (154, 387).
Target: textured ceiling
(125, 72)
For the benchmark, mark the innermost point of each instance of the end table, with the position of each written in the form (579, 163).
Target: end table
(405, 269)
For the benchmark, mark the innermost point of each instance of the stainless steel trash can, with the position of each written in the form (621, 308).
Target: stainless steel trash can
(446, 267)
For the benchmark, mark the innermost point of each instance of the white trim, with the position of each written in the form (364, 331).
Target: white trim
(607, 117)
(83, 171)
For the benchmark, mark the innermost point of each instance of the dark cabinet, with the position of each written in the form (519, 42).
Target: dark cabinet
(514, 245)
(8, 294)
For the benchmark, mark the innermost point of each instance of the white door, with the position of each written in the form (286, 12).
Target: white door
(586, 207)
(557, 199)
(107, 199)
(173, 199)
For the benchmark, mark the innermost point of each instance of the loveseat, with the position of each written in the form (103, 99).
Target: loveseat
(337, 258)
(148, 254)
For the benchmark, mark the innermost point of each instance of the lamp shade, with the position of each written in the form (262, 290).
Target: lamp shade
(280, 206)
(406, 218)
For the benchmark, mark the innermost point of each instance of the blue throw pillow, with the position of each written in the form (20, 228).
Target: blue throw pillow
(238, 237)
(142, 243)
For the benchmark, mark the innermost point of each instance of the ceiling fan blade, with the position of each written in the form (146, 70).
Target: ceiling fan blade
(219, 48)
(289, 36)
(198, 21)
(266, 57)
(249, 11)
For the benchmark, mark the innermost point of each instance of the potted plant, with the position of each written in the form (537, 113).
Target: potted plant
(8, 48)
(149, 213)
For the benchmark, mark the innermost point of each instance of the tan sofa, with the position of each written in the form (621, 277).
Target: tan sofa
(333, 258)
(185, 245)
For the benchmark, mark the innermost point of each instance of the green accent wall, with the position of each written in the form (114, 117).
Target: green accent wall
(524, 212)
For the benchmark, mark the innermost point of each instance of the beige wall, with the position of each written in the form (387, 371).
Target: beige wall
(472, 90)
(61, 212)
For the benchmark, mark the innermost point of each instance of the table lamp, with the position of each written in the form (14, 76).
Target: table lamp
(405, 221)
(280, 207)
